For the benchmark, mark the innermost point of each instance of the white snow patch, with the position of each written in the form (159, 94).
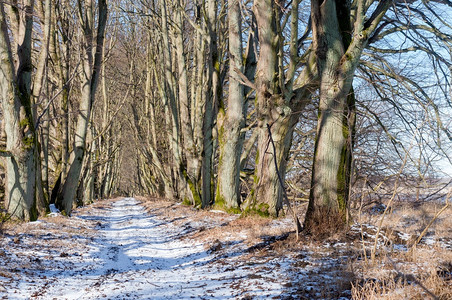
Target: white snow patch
(217, 211)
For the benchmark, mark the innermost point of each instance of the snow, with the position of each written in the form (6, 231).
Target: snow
(137, 257)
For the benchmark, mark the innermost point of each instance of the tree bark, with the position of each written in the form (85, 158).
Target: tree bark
(15, 86)
(169, 96)
(89, 78)
(338, 46)
(232, 121)
(213, 94)
(278, 105)
(42, 182)
(191, 165)
(61, 54)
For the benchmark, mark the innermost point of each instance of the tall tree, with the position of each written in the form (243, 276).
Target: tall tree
(213, 94)
(280, 99)
(340, 33)
(61, 50)
(231, 121)
(15, 80)
(91, 66)
(21, 91)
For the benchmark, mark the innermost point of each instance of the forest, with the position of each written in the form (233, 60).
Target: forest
(311, 112)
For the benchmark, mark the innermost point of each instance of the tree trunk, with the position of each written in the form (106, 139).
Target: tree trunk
(91, 168)
(337, 57)
(89, 78)
(15, 86)
(279, 104)
(198, 105)
(213, 94)
(191, 163)
(232, 121)
(169, 96)
(42, 193)
(61, 54)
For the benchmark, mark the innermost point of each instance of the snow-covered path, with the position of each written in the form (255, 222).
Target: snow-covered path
(136, 256)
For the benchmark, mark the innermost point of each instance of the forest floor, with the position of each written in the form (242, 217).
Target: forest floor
(129, 248)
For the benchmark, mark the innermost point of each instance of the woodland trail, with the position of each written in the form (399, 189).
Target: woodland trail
(134, 255)
(153, 248)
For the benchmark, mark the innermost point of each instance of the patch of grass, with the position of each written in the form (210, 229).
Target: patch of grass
(412, 218)
(423, 272)
(186, 202)
(403, 286)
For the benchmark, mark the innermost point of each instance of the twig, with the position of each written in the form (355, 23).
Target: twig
(294, 215)
(433, 220)
(153, 284)
(360, 223)
(65, 85)
(194, 286)
(374, 249)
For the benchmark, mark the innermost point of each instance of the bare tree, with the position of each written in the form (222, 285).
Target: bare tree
(231, 121)
(20, 90)
(338, 44)
(91, 67)
(281, 97)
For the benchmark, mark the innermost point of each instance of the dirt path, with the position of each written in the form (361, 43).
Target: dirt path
(157, 249)
(134, 256)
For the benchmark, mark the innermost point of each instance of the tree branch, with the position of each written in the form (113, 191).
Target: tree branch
(294, 215)
(245, 81)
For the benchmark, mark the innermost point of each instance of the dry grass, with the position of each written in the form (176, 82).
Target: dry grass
(412, 218)
(401, 271)
(324, 223)
(404, 286)
(403, 280)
